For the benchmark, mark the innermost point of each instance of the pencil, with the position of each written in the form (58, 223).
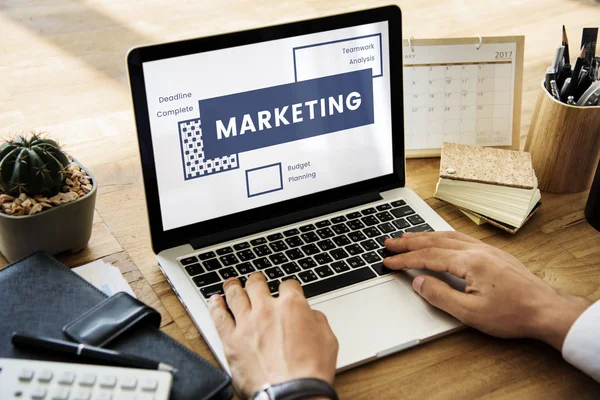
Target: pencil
(565, 42)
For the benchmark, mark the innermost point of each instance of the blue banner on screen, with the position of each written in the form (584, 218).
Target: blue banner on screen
(265, 117)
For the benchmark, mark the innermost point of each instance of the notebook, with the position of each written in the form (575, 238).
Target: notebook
(499, 186)
(462, 90)
(39, 295)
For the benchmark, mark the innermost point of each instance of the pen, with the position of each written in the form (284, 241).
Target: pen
(554, 90)
(569, 91)
(88, 352)
(552, 71)
(565, 42)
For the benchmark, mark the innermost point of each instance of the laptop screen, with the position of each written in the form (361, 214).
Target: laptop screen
(244, 127)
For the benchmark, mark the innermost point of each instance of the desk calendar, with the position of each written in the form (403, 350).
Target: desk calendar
(465, 90)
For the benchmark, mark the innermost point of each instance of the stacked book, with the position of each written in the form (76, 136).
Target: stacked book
(492, 185)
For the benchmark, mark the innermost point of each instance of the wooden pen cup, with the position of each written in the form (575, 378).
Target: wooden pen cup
(564, 142)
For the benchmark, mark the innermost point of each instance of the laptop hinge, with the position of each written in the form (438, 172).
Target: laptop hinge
(261, 226)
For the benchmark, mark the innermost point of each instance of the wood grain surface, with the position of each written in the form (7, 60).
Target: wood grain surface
(62, 70)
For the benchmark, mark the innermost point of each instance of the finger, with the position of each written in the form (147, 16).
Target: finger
(290, 286)
(456, 262)
(446, 234)
(412, 243)
(222, 319)
(442, 296)
(257, 289)
(236, 297)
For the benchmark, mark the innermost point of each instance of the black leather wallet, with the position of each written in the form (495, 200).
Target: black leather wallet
(109, 319)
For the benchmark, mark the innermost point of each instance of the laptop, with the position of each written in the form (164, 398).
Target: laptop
(281, 150)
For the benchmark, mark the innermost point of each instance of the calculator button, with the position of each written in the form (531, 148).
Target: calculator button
(82, 394)
(67, 378)
(62, 393)
(108, 381)
(45, 376)
(38, 393)
(149, 385)
(26, 375)
(87, 379)
(129, 383)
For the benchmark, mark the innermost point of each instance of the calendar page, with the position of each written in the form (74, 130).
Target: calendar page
(461, 93)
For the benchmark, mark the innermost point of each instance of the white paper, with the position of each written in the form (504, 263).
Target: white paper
(105, 277)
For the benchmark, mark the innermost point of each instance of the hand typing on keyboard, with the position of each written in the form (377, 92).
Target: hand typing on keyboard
(272, 340)
(502, 297)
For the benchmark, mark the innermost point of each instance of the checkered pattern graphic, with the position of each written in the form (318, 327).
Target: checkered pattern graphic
(194, 163)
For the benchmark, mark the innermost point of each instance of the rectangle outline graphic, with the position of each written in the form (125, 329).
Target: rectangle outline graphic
(268, 191)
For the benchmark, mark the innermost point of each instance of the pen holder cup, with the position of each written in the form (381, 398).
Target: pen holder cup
(564, 142)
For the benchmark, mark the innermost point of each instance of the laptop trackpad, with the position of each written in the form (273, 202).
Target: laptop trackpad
(376, 319)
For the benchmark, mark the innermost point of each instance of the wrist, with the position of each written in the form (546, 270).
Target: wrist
(557, 316)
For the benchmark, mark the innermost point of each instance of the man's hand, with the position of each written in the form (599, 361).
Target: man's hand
(502, 297)
(272, 340)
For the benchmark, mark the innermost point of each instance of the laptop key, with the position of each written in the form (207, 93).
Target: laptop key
(262, 263)
(383, 253)
(224, 250)
(228, 272)
(274, 236)
(337, 220)
(207, 255)
(194, 269)
(369, 211)
(381, 269)
(278, 246)
(420, 228)
(278, 258)
(340, 266)
(241, 246)
(307, 263)
(294, 254)
(294, 241)
(212, 264)
(341, 240)
(307, 228)
(309, 237)
(245, 268)
(338, 254)
(415, 219)
(291, 232)
(356, 236)
(337, 282)
(384, 216)
(308, 276)
(383, 207)
(401, 223)
(274, 272)
(324, 271)
(397, 203)
(325, 233)
(208, 291)
(322, 224)
(354, 249)
(243, 280)
(273, 286)
(369, 244)
(291, 268)
(188, 260)
(262, 250)
(326, 245)
(355, 262)
(386, 228)
(402, 211)
(291, 277)
(381, 240)
(371, 232)
(258, 241)
(353, 215)
(246, 255)
(323, 258)
(310, 249)
(355, 224)
(229, 259)
(370, 220)
(371, 257)
(397, 234)
(206, 279)
(340, 228)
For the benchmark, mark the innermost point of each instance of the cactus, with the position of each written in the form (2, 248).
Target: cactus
(33, 165)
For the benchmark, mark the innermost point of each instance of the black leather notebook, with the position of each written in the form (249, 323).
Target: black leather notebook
(39, 295)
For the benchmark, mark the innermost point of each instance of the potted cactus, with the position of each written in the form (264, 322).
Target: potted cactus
(47, 198)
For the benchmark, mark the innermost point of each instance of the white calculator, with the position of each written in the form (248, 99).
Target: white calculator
(42, 380)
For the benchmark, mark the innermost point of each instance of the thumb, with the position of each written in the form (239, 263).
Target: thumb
(442, 296)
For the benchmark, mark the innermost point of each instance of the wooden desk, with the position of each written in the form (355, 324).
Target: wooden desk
(62, 70)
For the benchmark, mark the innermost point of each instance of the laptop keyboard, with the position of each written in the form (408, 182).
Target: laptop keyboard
(327, 255)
